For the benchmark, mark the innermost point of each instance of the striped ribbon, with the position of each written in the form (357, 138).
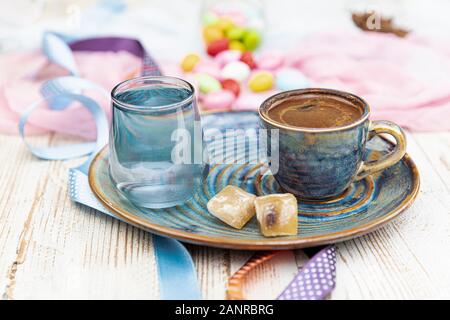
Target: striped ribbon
(314, 281)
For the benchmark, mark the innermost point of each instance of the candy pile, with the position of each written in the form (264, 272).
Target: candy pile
(232, 75)
(240, 80)
(228, 31)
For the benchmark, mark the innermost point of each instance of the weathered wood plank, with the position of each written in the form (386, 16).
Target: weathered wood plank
(53, 248)
(406, 258)
(23, 178)
(213, 270)
(66, 250)
(436, 148)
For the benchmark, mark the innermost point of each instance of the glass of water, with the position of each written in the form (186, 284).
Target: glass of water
(155, 141)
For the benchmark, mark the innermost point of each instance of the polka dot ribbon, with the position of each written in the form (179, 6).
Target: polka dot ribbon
(315, 280)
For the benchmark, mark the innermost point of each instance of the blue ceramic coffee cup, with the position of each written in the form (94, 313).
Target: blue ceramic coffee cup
(320, 163)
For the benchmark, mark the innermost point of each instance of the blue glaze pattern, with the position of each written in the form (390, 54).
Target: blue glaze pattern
(319, 165)
(365, 205)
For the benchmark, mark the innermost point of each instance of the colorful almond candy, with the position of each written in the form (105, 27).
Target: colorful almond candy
(235, 33)
(236, 70)
(207, 83)
(237, 45)
(277, 214)
(261, 81)
(189, 62)
(233, 206)
(210, 67)
(218, 100)
(224, 23)
(232, 86)
(212, 33)
(252, 39)
(227, 56)
(247, 57)
(290, 79)
(270, 60)
(229, 25)
(217, 47)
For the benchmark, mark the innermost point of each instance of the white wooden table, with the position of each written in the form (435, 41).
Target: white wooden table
(51, 247)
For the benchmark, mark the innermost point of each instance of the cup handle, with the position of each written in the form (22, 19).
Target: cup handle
(377, 127)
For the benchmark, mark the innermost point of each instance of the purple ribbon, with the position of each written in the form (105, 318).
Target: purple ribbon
(115, 44)
(315, 280)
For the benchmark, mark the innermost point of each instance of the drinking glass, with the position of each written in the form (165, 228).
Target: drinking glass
(155, 141)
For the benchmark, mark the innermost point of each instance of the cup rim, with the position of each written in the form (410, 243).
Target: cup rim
(168, 79)
(262, 110)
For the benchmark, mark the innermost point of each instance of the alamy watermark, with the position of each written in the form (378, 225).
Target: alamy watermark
(230, 146)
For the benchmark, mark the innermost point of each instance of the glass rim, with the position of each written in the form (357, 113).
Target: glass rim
(175, 81)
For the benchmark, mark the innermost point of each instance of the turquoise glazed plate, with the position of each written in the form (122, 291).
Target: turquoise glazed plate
(363, 207)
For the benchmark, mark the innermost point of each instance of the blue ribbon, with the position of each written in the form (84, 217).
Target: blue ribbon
(175, 265)
(57, 90)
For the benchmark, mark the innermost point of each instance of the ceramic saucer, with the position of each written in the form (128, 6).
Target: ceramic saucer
(363, 207)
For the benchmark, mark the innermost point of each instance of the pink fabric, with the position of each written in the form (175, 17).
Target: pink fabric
(404, 80)
(22, 75)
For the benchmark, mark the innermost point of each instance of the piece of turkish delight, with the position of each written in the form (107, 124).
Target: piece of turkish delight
(277, 214)
(233, 206)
